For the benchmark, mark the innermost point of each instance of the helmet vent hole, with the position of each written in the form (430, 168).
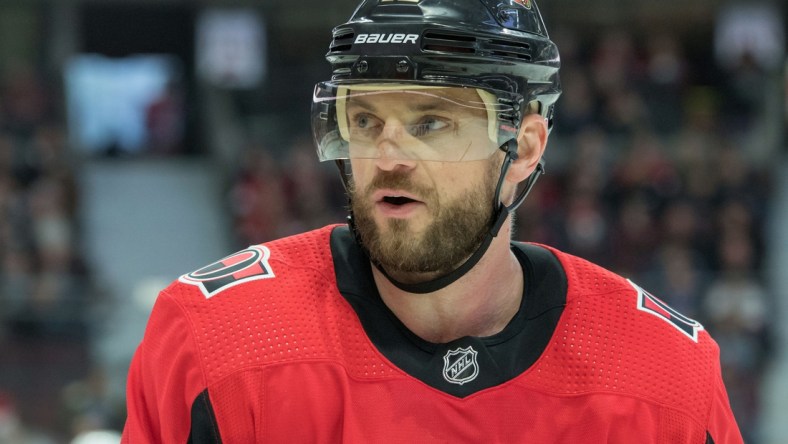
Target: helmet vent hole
(443, 42)
(467, 44)
(343, 40)
(519, 45)
(507, 48)
(526, 57)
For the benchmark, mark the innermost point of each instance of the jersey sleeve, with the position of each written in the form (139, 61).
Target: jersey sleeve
(165, 378)
(722, 427)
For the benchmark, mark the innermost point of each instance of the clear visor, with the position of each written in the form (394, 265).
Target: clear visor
(409, 122)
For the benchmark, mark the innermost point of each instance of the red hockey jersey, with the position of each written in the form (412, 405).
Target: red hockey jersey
(289, 341)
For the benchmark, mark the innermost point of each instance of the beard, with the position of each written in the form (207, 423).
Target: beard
(457, 228)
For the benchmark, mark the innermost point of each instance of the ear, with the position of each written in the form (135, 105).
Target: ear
(531, 143)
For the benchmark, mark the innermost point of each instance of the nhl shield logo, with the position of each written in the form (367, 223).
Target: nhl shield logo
(460, 366)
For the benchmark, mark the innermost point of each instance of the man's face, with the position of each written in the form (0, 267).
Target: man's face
(421, 216)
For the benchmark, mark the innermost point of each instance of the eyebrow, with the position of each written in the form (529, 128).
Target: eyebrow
(432, 104)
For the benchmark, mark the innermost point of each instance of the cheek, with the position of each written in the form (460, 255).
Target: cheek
(361, 170)
(454, 183)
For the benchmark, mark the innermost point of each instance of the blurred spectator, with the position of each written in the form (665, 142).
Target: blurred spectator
(12, 430)
(87, 405)
(577, 108)
(164, 120)
(311, 191)
(749, 45)
(635, 236)
(26, 102)
(664, 82)
(613, 62)
(257, 201)
(586, 227)
(678, 273)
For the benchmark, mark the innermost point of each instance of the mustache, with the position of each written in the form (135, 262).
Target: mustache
(398, 181)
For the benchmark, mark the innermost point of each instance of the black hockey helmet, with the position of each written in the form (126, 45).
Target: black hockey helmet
(500, 46)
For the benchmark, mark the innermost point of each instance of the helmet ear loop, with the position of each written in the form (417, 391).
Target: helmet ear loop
(344, 174)
(530, 182)
(501, 210)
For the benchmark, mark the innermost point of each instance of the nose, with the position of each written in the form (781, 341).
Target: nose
(393, 128)
(391, 145)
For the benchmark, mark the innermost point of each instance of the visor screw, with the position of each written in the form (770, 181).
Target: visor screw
(362, 66)
(402, 66)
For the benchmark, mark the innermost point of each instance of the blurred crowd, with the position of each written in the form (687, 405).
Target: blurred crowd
(648, 174)
(48, 388)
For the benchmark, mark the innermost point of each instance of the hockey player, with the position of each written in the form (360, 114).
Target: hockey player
(420, 320)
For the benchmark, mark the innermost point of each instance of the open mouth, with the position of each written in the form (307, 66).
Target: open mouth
(394, 203)
(398, 200)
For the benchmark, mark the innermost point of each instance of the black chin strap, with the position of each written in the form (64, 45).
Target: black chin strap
(500, 213)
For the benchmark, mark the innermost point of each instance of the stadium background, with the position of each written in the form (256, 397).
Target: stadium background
(142, 139)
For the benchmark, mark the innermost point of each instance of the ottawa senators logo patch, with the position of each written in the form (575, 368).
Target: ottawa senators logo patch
(650, 304)
(246, 265)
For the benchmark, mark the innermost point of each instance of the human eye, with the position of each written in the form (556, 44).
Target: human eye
(364, 122)
(428, 125)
